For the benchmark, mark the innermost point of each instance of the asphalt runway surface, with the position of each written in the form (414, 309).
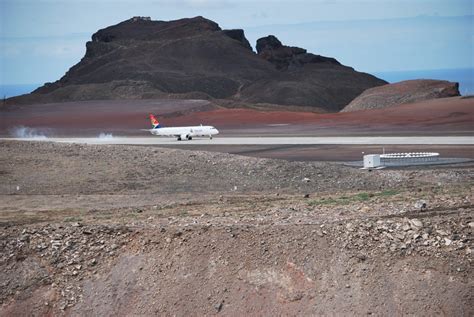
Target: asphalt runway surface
(340, 140)
(334, 149)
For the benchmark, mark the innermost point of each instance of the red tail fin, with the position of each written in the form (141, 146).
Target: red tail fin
(154, 121)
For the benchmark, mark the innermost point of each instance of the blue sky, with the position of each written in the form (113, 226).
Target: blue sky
(41, 39)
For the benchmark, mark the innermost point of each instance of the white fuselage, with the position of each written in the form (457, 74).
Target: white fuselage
(183, 133)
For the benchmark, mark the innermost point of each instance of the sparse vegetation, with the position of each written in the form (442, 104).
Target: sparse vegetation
(72, 219)
(345, 200)
(183, 213)
(389, 193)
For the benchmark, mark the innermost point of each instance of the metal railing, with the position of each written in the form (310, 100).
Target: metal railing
(410, 157)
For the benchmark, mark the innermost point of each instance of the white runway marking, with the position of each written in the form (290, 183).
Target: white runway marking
(421, 140)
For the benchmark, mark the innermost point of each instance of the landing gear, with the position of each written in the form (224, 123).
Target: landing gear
(184, 137)
(210, 137)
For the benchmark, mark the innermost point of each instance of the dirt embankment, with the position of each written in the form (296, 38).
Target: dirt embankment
(102, 230)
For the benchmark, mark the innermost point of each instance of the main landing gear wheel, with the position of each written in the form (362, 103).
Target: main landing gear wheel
(179, 138)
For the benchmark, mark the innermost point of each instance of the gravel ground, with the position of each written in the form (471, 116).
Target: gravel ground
(102, 230)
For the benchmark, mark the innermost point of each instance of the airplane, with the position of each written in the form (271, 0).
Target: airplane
(182, 133)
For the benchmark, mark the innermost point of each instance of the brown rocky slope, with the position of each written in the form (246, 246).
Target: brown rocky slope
(119, 230)
(403, 92)
(195, 59)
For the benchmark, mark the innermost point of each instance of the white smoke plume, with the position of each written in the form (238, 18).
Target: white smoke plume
(105, 136)
(22, 132)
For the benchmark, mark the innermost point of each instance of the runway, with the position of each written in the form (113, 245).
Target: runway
(340, 140)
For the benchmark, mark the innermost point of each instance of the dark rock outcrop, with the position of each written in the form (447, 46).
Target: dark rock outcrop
(403, 92)
(238, 34)
(148, 30)
(285, 57)
(194, 57)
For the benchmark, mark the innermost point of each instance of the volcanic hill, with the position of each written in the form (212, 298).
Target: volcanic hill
(404, 92)
(194, 58)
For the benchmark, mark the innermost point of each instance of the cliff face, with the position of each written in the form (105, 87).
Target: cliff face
(195, 58)
(403, 92)
(288, 57)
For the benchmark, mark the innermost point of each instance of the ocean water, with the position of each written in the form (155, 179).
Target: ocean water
(7, 91)
(464, 76)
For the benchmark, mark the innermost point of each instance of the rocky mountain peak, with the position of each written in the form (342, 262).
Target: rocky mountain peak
(194, 58)
(288, 57)
(143, 28)
(238, 34)
(270, 42)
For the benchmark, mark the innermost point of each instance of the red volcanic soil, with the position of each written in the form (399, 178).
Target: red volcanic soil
(126, 117)
(247, 117)
(92, 117)
(454, 115)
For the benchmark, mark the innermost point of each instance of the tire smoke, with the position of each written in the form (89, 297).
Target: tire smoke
(105, 136)
(23, 132)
